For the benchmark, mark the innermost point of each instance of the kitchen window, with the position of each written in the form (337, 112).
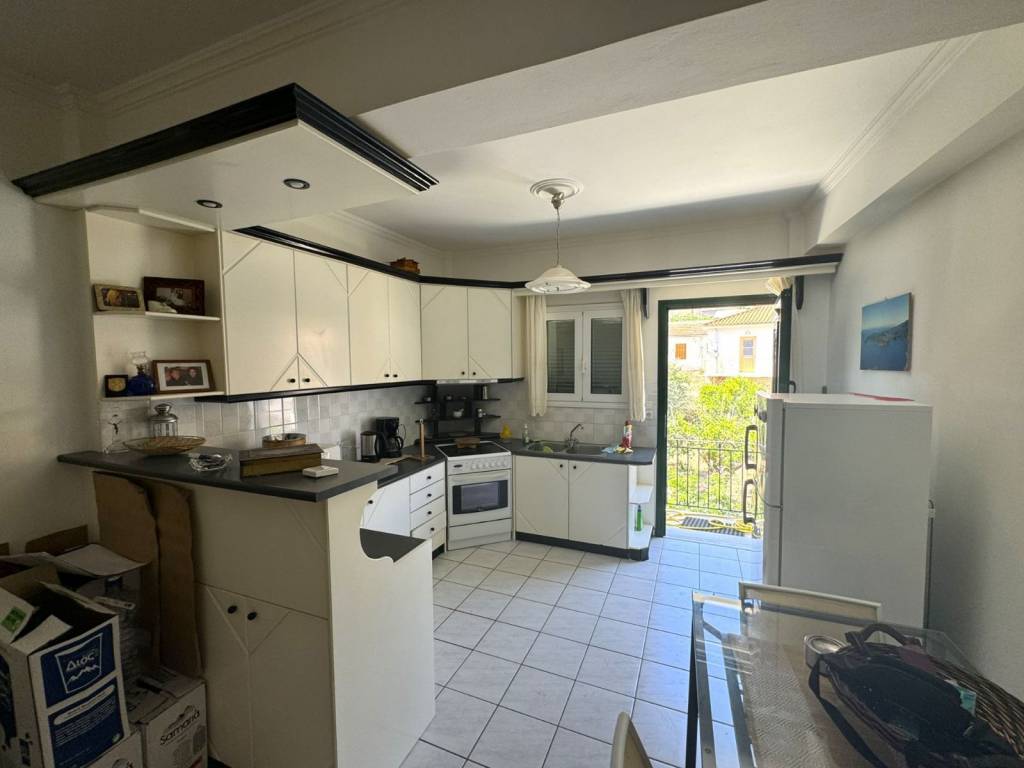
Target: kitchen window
(586, 356)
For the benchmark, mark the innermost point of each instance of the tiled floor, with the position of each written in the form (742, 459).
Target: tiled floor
(537, 649)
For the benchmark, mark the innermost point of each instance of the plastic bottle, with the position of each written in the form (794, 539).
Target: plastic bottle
(526, 434)
(627, 436)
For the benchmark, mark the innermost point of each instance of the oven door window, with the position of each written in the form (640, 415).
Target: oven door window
(479, 497)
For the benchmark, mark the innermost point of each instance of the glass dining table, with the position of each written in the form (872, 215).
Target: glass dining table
(749, 701)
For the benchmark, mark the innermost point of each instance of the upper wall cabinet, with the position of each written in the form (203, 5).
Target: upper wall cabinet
(286, 318)
(384, 327)
(282, 155)
(467, 332)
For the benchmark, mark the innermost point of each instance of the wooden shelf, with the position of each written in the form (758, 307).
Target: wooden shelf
(160, 398)
(641, 494)
(159, 316)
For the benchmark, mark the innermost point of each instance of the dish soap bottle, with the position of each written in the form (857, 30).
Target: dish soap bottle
(526, 435)
(627, 437)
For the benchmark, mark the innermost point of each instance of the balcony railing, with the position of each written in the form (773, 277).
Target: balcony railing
(707, 478)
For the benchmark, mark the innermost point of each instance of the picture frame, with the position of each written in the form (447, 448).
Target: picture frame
(182, 376)
(115, 385)
(184, 295)
(117, 298)
(887, 333)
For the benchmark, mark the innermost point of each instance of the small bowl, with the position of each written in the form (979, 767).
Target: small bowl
(164, 446)
(816, 646)
(286, 440)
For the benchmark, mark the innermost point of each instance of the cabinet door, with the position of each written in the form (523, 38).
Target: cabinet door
(259, 314)
(541, 496)
(404, 329)
(290, 679)
(368, 324)
(445, 331)
(225, 657)
(321, 304)
(390, 511)
(490, 333)
(289, 378)
(598, 503)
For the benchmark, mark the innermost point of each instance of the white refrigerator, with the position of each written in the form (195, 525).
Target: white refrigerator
(844, 481)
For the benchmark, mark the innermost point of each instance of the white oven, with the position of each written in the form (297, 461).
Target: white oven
(479, 494)
(479, 497)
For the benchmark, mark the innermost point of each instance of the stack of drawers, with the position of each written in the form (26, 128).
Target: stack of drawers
(427, 506)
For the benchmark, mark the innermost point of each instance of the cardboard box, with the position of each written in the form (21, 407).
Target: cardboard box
(174, 733)
(61, 693)
(127, 754)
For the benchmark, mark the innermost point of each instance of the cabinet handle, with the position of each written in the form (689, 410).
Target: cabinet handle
(429, 495)
(232, 609)
(387, 375)
(574, 466)
(428, 477)
(474, 373)
(306, 381)
(430, 512)
(251, 616)
(291, 381)
(370, 501)
(432, 530)
(561, 465)
(463, 373)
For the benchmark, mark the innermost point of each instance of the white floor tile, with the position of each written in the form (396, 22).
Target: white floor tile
(486, 558)
(468, 575)
(483, 603)
(684, 577)
(447, 659)
(506, 583)
(514, 563)
(571, 750)
(727, 566)
(458, 722)
(715, 550)
(689, 560)
(512, 740)
(583, 600)
(463, 629)
(673, 594)
(591, 579)
(639, 569)
(531, 549)
(722, 585)
(442, 567)
(541, 591)
(501, 546)
(566, 556)
(552, 571)
(525, 613)
(449, 594)
(671, 619)
(627, 586)
(610, 670)
(593, 711)
(619, 636)
(440, 614)
(675, 545)
(507, 642)
(662, 731)
(571, 625)
(667, 648)
(557, 655)
(663, 685)
(538, 694)
(627, 609)
(426, 755)
(484, 676)
(598, 562)
(458, 555)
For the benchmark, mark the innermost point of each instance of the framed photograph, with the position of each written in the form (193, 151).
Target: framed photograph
(182, 376)
(117, 298)
(115, 385)
(885, 334)
(186, 297)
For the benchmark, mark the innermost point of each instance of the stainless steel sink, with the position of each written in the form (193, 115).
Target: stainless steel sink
(546, 446)
(586, 450)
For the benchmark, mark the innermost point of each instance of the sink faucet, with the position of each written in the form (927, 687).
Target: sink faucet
(570, 443)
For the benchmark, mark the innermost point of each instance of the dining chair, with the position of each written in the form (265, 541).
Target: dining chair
(627, 749)
(838, 605)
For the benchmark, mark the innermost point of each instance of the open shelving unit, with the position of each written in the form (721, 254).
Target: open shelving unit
(442, 422)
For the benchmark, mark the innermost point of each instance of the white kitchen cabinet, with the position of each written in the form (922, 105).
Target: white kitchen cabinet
(404, 330)
(266, 702)
(368, 324)
(321, 322)
(444, 312)
(490, 333)
(541, 496)
(388, 509)
(259, 315)
(598, 503)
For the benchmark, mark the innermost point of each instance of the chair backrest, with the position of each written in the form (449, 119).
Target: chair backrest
(627, 749)
(838, 605)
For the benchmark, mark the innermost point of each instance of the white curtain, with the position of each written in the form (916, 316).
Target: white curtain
(632, 303)
(536, 354)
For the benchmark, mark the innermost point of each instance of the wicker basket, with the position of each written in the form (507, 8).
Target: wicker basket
(164, 446)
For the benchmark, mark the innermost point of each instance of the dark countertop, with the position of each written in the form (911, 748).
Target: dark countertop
(377, 544)
(288, 485)
(405, 467)
(639, 457)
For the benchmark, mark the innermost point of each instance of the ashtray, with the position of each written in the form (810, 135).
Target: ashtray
(816, 646)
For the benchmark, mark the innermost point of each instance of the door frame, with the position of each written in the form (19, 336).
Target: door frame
(664, 307)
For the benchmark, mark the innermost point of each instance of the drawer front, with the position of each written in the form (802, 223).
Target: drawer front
(426, 477)
(426, 495)
(432, 529)
(433, 510)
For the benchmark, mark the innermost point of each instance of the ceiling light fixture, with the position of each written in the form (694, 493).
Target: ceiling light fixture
(557, 279)
(209, 203)
(296, 183)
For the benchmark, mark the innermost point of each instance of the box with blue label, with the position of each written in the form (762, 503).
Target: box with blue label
(62, 699)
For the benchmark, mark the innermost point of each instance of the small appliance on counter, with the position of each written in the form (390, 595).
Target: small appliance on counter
(368, 446)
(391, 443)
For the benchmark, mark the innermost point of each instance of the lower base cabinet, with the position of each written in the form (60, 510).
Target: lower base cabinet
(267, 694)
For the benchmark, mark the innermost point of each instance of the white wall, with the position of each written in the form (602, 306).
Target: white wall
(46, 363)
(960, 250)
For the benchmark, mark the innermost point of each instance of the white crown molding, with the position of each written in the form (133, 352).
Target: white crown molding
(259, 42)
(376, 230)
(917, 85)
(31, 88)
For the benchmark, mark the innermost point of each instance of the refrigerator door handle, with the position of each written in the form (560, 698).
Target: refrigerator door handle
(749, 520)
(747, 463)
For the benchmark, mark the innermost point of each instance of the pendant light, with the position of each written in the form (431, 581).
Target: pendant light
(557, 279)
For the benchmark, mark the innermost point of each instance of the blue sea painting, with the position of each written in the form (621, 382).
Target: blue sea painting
(885, 335)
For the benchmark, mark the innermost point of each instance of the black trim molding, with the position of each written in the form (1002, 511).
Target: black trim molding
(253, 396)
(285, 104)
(583, 546)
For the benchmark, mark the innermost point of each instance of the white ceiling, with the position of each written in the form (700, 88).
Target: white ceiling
(748, 149)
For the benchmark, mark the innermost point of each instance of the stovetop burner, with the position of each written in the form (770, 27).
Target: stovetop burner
(478, 449)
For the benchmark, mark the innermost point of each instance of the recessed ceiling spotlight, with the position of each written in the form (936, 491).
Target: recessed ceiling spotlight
(209, 203)
(296, 183)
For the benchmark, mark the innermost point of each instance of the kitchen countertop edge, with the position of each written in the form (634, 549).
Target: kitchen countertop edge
(411, 468)
(640, 457)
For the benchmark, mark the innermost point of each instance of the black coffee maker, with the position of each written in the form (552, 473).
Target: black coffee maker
(389, 443)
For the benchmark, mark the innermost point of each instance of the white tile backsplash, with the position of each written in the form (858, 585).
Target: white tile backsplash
(335, 418)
